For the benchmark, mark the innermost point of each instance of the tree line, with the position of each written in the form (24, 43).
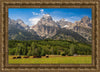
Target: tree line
(48, 47)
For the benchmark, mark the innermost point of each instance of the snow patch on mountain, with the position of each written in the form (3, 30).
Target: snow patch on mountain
(66, 26)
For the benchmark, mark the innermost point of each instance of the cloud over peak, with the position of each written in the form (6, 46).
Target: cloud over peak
(40, 13)
(34, 21)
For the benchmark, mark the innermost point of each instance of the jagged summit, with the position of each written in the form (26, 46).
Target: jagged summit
(62, 19)
(46, 17)
(63, 23)
(20, 21)
(46, 27)
(85, 19)
(84, 22)
(18, 24)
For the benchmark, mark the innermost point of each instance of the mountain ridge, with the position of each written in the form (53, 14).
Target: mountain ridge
(48, 28)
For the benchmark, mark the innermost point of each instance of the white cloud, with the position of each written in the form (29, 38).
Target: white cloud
(34, 13)
(40, 13)
(56, 18)
(75, 17)
(72, 18)
(66, 19)
(42, 10)
(34, 21)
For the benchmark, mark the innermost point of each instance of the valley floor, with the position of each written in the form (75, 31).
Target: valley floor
(86, 59)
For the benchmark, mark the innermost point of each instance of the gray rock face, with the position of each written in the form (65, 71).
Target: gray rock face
(19, 21)
(65, 24)
(46, 27)
(84, 28)
(85, 19)
(84, 22)
(18, 24)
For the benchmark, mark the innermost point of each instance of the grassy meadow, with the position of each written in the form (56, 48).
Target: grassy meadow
(52, 60)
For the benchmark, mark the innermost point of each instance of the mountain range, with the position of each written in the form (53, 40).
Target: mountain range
(47, 28)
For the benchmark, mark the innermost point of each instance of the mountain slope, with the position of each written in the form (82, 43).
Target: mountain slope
(18, 32)
(66, 34)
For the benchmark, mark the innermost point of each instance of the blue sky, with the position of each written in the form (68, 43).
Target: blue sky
(31, 16)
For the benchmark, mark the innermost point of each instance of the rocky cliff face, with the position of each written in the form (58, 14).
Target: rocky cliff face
(19, 21)
(84, 28)
(65, 24)
(46, 27)
(18, 24)
(84, 22)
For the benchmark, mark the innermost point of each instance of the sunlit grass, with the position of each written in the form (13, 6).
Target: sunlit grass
(53, 60)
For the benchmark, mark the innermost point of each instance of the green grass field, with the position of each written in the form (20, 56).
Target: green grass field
(53, 60)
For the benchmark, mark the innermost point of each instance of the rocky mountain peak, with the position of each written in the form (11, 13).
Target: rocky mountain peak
(65, 24)
(84, 22)
(18, 24)
(47, 21)
(46, 27)
(46, 17)
(62, 20)
(11, 21)
(84, 28)
(85, 19)
(19, 21)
